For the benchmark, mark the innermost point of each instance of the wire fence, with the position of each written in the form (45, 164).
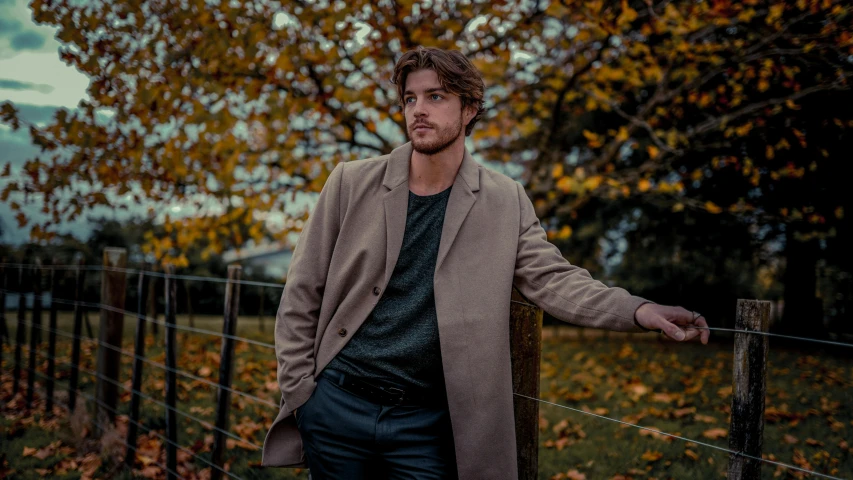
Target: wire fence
(37, 327)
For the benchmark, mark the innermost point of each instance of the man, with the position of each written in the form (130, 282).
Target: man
(392, 336)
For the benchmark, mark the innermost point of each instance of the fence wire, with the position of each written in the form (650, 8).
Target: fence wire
(147, 430)
(717, 447)
(152, 362)
(271, 346)
(65, 301)
(148, 397)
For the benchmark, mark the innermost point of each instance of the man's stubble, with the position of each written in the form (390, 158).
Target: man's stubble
(443, 139)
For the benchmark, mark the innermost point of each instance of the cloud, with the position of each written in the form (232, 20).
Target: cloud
(9, 24)
(27, 41)
(16, 85)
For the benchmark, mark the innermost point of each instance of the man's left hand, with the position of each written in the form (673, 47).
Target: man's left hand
(675, 322)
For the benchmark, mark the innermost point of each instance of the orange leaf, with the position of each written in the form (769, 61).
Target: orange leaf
(652, 456)
(715, 433)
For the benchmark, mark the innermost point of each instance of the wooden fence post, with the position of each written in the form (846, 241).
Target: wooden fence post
(51, 335)
(223, 397)
(113, 286)
(79, 280)
(526, 352)
(136, 382)
(20, 332)
(35, 331)
(746, 431)
(171, 423)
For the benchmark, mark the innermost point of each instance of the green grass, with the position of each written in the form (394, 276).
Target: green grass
(675, 388)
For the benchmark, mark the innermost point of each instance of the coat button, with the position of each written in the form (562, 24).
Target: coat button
(376, 290)
(342, 332)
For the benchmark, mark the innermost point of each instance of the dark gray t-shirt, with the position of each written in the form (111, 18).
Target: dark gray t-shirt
(399, 340)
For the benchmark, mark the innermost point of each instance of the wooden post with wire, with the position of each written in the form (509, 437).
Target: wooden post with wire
(525, 353)
(136, 378)
(746, 431)
(113, 287)
(170, 285)
(223, 397)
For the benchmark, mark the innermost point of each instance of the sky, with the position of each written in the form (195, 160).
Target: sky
(34, 78)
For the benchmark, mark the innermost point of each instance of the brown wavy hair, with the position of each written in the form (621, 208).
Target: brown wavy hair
(456, 74)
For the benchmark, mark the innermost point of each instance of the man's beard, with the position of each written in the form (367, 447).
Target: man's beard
(443, 139)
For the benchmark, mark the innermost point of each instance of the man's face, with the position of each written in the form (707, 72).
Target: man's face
(434, 117)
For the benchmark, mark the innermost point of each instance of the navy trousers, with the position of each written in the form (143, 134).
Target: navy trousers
(349, 437)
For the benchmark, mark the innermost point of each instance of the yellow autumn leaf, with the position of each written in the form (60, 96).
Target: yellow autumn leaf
(564, 232)
(565, 184)
(653, 151)
(652, 456)
(557, 171)
(712, 207)
(592, 138)
(644, 185)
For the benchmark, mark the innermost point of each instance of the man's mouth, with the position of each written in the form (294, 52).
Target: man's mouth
(420, 127)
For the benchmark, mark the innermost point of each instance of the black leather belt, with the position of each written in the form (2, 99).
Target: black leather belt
(382, 392)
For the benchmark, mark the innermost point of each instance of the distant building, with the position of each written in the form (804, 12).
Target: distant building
(268, 259)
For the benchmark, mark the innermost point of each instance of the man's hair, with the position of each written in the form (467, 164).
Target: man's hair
(456, 74)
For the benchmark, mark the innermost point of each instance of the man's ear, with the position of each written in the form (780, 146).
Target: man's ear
(469, 112)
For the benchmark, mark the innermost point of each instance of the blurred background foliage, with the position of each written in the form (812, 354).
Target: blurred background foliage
(689, 151)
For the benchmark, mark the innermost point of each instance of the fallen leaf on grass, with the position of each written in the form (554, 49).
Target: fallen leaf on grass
(715, 433)
(691, 455)
(652, 456)
(704, 418)
(790, 439)
(813, 442)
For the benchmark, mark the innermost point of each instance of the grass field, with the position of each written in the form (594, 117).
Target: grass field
(675, 388)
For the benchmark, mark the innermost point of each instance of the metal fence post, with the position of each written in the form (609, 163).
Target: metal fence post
(171, 423)
(4, 333)
(136, 382)
(748, 389)
(75, 342)
(35, 333)
(20, 332)
(526, 352)
(51, 335)
(223, 397)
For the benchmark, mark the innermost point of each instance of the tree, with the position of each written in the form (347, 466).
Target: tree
(233, 112)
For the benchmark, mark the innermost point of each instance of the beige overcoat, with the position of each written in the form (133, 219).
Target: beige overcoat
(490, 241)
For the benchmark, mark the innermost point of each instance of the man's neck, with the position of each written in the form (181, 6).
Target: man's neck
(431, 174)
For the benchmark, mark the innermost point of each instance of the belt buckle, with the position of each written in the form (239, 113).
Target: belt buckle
(398, 393)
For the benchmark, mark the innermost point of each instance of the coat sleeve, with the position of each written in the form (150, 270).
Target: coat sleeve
(566, 291)
(299, 309)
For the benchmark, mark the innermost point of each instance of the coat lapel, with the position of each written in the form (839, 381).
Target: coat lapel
(460, 202)
(396, 202)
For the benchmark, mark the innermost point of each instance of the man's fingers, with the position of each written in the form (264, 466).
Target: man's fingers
(704, 332)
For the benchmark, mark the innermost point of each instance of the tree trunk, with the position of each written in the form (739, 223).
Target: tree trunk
(803, 311)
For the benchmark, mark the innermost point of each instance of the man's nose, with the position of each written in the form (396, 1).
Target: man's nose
(418, 110)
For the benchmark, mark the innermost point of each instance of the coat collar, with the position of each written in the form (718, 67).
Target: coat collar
(396, 202)
(398, 168)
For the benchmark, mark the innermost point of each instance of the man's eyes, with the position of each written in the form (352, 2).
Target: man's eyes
(434, 96)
